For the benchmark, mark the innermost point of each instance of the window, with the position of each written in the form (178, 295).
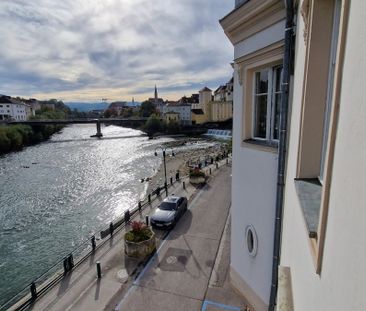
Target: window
(325, 44)
(267, 99)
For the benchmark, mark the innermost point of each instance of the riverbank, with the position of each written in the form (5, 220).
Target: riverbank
(186, 151)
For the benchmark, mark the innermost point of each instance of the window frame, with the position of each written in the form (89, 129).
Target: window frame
(330, 113)
(271, 103)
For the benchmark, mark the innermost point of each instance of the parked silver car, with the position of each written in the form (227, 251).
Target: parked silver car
(169, 211)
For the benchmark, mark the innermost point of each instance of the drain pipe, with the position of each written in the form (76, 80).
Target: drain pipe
(287, 66)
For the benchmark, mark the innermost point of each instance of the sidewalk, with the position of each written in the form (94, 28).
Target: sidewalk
(188, 272)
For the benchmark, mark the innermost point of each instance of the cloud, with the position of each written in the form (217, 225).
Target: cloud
(78, 49)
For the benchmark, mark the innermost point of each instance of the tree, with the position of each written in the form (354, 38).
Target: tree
(110, 113)
(173, 127)
(126, 113)
(5, 143)
(147, 108)
(153, 125)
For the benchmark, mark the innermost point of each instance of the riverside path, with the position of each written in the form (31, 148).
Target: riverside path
(188, 272)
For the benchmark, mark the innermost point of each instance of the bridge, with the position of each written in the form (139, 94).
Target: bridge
(128, 122)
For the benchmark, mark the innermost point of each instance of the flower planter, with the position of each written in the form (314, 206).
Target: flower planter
(142, 249)
(197, 180)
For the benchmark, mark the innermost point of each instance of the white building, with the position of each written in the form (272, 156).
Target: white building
(313, 253)
(11, 109)
(258, 41)
(183, 109)
(224, 92)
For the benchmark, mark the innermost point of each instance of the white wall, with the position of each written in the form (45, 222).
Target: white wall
(260, 40)
(342, 281)
(253, 202)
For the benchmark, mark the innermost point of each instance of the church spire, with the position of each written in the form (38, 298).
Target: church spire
(156, 94)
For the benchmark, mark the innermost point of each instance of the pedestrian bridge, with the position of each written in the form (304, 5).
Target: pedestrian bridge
(128, 122)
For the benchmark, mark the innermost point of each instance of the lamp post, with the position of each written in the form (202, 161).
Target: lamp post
(164, 150)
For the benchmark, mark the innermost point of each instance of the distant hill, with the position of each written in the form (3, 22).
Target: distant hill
(82, 106)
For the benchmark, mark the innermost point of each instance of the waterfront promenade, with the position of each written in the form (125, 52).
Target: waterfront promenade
(188, 272)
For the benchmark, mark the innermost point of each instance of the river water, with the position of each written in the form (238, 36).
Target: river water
(56, 194)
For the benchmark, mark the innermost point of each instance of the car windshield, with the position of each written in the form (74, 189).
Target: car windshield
(167, 206)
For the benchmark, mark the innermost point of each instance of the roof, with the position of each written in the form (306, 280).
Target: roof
(206, 89)
(172, 199)
(117, 104)
(177, 104)
(6, 99)
(197, 111)
(220, 88)
(195, 98)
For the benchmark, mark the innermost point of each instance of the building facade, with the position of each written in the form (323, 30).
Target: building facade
(171, 116)
(322, 232)
(213, 108)
(256, 29)
(182, 109)
(12, 109)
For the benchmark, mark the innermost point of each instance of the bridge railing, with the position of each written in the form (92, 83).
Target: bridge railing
(61, 268)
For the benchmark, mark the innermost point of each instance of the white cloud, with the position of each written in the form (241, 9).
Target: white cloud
(88, 47)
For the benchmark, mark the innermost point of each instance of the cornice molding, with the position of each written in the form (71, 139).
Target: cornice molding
(252, 17)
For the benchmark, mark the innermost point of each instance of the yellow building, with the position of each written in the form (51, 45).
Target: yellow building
(198, 116)
(220, 111)
(209, 110)
(171, 116)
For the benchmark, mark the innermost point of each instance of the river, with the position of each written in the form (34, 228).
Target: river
(56, 194)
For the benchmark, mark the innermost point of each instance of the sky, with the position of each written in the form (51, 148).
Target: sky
(86, 50)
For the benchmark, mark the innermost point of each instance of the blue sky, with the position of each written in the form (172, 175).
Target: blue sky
(85, 50)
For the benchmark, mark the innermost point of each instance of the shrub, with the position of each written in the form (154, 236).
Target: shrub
(15, 137)
(5, 143)
(196, 173)
(139, 233)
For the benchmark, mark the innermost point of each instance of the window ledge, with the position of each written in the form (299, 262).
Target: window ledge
(309, 192)
(263, 145)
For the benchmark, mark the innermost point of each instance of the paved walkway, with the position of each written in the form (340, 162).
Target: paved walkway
(188, 272)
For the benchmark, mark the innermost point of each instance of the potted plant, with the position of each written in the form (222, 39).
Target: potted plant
(197, 176)
(139, 241)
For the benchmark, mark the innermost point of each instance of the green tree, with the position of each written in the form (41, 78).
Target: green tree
(147, 108)
(110, 113)
(15, 137)
(153, 125)
(126, 113)
(173, 127)
(5, 143)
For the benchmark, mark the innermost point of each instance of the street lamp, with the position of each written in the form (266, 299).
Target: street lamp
(164, 154)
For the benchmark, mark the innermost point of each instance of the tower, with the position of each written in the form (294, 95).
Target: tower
(156, 95)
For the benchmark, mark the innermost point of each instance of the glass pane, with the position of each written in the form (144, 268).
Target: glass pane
(261, 82)
(260, 122)
(276, 123)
